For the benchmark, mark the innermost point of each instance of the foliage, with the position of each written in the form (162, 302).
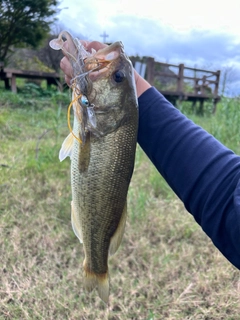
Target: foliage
(24, 23)
(26, 59)
(189, 108)
(33, 96)
(166, 267)
(224, 125)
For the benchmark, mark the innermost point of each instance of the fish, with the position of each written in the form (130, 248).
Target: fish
(101, 146)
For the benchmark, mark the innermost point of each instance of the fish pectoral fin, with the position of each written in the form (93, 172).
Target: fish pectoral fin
(66, 148)
(101, 281)
(76, 224)
(118, 235)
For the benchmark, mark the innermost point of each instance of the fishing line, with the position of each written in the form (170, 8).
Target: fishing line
(100, 64)
(68, 117)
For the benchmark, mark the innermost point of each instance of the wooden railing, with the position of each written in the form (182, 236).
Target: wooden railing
(178, 82)
(9, 75)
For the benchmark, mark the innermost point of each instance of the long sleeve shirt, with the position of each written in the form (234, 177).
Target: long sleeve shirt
(201, 171)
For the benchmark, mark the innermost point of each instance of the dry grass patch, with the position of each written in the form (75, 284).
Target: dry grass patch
(166, 267)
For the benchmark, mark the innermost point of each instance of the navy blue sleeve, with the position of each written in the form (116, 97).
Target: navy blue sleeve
(201, 171)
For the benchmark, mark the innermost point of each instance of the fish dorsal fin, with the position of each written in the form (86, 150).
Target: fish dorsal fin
(117, 237)
(66, 148)
(76, 224)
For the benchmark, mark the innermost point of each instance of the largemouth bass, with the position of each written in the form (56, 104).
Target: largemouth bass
(102, 150)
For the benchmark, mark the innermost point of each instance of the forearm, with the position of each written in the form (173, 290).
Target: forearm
(201, 171)
(141, 84)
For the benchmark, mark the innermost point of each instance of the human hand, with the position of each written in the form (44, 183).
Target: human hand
(65, 64)
(141, 84)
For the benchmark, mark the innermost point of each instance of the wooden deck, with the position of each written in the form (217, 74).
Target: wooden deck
(181, 83)
(9, 77)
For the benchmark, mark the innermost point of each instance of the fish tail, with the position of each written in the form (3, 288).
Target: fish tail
(100, 281)
(103, 286)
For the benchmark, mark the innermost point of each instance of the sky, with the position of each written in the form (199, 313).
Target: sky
(203, 34)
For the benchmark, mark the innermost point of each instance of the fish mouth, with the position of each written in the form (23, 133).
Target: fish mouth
(83, 62)
(99, 64)
(96, 67)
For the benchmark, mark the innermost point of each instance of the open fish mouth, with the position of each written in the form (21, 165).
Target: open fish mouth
(94, 63)
(98, 64)
(94, 68)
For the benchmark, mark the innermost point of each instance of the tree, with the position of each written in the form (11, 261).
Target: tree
(24, 23)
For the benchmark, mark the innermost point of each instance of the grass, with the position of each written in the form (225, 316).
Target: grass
(224, 125)
(166, 267)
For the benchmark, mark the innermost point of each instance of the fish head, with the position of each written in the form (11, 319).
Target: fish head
(111, 89)
(103, 85)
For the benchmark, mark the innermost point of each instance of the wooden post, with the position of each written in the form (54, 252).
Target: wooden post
(217, 83)
(201, 103)
(180, 78)
(150, 70)
(13, 84)
(193, 105)
(215, 101)
(49, 82)
(196, 86)
(7, 85)
(203, 85)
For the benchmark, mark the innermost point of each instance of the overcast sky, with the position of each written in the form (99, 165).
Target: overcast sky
(205, 33)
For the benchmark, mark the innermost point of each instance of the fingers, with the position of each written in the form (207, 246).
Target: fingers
(94, 45)
(85, 43)
(65, 64)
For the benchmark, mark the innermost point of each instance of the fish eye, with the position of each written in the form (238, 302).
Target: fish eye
(118, 76)
(84, 101)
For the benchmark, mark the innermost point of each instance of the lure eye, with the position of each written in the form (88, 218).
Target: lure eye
(118, 76)
(84, 101)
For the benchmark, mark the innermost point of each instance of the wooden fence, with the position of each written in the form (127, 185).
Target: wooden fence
(9, 77)
(178, 82)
